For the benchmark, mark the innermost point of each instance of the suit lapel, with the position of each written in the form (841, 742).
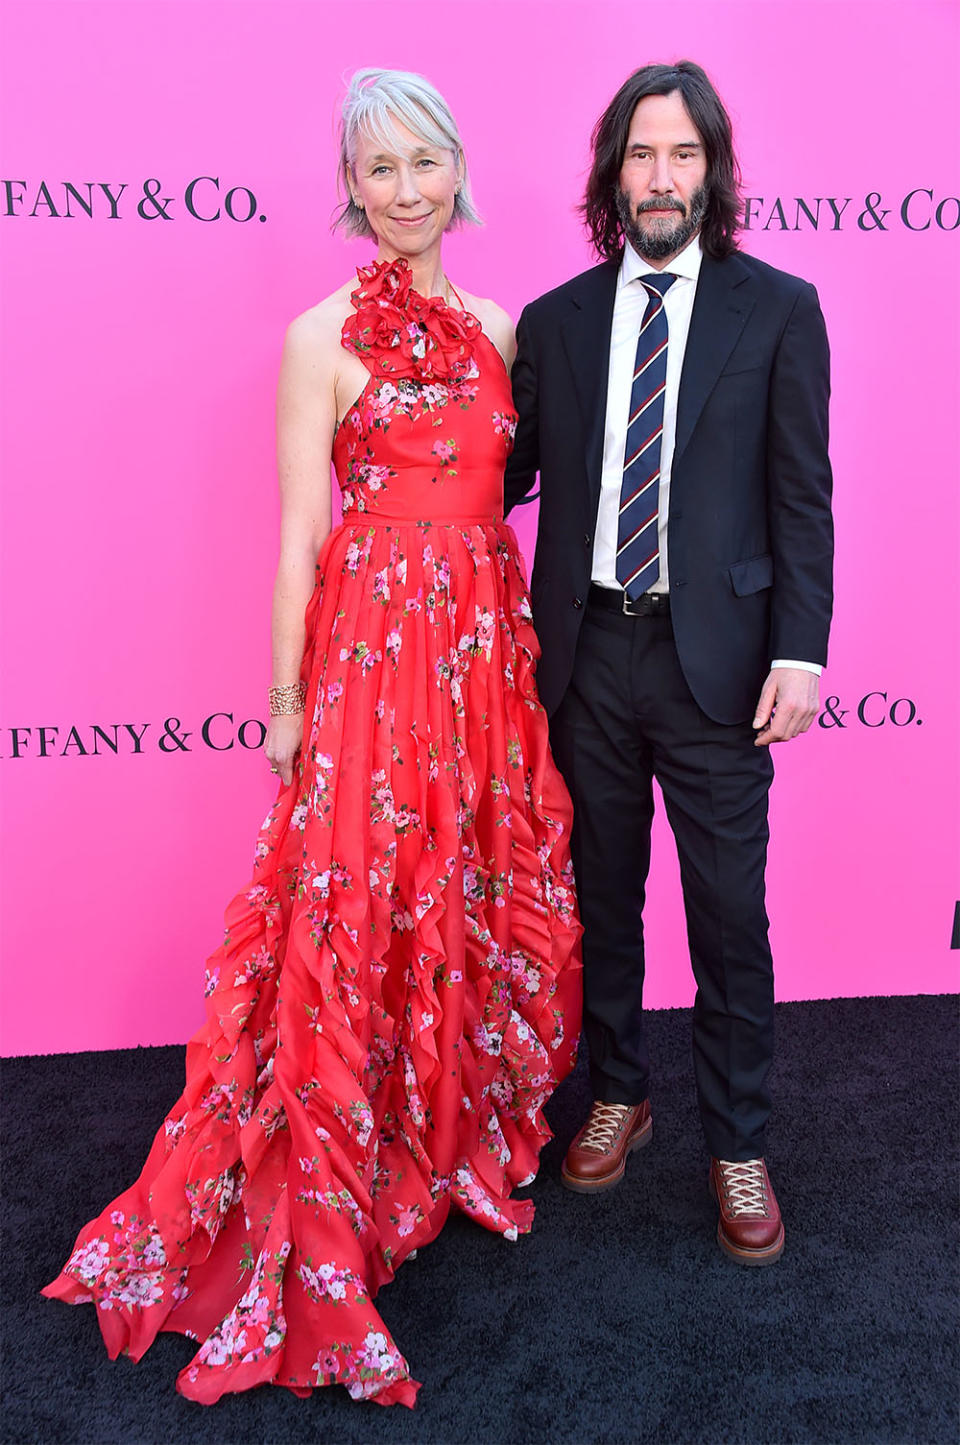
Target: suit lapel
(724, 300)
(586, 340)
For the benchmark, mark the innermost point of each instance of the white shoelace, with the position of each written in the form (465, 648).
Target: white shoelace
(744, 1186)
(603, 1126)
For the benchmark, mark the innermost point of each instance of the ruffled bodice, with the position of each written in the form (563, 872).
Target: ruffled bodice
(429, 435)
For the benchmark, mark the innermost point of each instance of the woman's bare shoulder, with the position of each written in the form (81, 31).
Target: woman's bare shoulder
(497, 324)
(313, 337)
(325, 319)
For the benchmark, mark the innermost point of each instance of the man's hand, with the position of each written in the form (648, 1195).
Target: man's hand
(788, 704)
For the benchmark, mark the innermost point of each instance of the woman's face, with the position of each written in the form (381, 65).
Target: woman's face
(408, 193)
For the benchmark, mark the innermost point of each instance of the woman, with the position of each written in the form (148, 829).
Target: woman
(398, 990)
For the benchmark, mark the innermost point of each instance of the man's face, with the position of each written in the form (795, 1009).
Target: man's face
(662, 194)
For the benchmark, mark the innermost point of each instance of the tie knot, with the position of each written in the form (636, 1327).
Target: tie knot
(658, 282)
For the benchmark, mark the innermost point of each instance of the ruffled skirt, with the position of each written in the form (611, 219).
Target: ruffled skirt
(397, 994)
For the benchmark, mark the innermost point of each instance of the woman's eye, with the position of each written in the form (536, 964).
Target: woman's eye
(425, 161)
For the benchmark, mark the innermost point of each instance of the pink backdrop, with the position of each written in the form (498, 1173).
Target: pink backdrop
(139, 363)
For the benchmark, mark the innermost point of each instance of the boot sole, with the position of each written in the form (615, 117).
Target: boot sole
(607, 1181)
(736, 1252)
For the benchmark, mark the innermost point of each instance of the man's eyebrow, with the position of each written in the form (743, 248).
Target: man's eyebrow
(683, 145)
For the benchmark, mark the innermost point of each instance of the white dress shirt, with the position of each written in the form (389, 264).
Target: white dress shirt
(629, 306)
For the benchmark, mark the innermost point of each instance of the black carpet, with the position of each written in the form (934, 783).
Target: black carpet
(617, 1320)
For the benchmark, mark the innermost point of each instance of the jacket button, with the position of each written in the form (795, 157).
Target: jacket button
(587, 539)
(578, 602)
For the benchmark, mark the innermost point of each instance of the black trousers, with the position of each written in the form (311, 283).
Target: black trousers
(628, 717)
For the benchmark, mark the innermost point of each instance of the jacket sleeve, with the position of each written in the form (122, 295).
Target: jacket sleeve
(800, 485)
(524, 461)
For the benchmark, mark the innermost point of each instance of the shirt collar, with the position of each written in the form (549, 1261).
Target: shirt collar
(686, 264)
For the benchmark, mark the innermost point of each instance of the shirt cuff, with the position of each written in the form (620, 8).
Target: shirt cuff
(802, 666)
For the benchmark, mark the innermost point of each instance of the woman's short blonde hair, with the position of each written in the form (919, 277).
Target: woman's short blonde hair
(374, 102)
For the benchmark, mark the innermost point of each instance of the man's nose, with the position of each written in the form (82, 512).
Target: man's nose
(661, 180)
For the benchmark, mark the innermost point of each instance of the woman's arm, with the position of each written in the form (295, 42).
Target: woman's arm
(306, 419)
(523, 462)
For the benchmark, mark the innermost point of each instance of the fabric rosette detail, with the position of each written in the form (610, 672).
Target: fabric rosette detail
(399, 333)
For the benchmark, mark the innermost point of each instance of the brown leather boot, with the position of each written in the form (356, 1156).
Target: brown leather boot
(597, 1157)
(750, 1229)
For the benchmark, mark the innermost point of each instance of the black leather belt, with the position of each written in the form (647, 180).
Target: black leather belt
(649, 604)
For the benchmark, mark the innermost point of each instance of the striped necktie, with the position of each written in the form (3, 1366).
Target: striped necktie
(638, 550)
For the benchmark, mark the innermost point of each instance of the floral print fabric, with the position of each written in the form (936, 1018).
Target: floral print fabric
(398, 990)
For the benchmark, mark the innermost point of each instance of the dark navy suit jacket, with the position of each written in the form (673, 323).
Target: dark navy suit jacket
(750, 535)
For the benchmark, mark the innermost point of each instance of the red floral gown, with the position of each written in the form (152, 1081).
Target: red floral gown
(398, 990)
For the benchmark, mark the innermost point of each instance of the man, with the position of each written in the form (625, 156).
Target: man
(674, 401)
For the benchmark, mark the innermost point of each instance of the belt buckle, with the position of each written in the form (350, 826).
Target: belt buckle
(629, 604)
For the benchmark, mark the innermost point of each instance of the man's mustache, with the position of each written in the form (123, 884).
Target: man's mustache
(666, 204)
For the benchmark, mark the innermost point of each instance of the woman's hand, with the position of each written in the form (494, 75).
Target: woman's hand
(283, 743)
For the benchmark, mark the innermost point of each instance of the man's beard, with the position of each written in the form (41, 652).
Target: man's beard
(666, 238)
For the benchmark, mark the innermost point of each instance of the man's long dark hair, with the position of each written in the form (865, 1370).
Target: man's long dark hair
(718, 235)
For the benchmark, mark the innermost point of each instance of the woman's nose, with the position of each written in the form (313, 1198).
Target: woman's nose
(408, 192)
